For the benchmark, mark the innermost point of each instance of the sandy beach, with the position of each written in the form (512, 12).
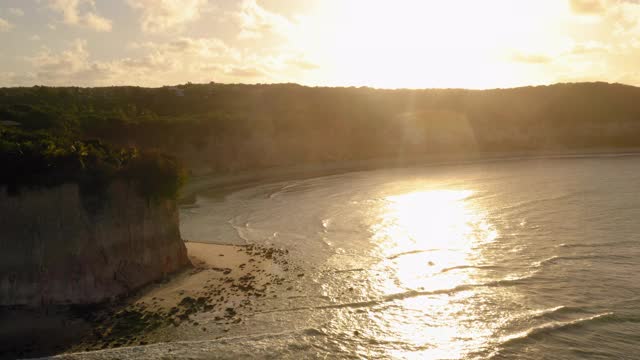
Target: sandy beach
(222, 284)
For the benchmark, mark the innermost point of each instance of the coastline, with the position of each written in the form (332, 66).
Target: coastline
(223, 283)
(224, 279)
(208, 179)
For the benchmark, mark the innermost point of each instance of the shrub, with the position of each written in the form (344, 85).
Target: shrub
(156, 175)
(39, 159)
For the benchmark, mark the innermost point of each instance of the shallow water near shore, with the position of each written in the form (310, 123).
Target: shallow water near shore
(523, 259)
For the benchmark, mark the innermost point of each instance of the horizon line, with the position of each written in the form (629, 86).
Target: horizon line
(320, 86)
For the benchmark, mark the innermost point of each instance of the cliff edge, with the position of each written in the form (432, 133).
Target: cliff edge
(56, 250)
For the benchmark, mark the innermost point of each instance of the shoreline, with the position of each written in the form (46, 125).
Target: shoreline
(224, 282)
(246, 178)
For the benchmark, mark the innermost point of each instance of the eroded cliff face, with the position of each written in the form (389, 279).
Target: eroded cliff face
(55, 251)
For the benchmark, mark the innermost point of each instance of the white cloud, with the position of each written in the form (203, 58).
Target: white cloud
(10, 78)
(68, 9)
(178, 61)
(624, 18)
(34, 38)
(245, 72)
(16, 11)
(74, 66)
(97, 22)
(65, 63)
(5, 25)
(588, 48)
(530, 58)
(256, 22)
(302, 63)
(81, 13)
(587, 7)
(162, 15)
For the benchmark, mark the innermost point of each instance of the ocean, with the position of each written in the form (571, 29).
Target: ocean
(516, 259)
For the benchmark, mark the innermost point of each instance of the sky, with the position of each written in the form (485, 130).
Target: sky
(378, 43)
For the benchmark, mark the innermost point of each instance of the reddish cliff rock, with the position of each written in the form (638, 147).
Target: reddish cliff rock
(55, 251)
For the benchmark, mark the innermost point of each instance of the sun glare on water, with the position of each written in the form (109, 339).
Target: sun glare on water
(430, 240)
(435, 220)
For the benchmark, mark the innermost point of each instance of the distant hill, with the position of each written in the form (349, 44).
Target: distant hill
(229, 127)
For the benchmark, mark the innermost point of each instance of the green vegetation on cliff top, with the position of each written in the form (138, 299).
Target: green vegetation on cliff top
(227, 127)
(40, 159)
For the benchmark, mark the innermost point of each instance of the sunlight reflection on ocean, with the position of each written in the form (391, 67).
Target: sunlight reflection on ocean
(428, 234)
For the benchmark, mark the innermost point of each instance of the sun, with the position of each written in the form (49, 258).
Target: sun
(417, 44)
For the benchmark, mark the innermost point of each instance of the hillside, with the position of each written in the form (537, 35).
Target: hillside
(227, 128)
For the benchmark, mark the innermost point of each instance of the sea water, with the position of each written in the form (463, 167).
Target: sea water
(526, 259)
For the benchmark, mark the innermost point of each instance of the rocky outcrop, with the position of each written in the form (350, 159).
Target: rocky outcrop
(56, 250)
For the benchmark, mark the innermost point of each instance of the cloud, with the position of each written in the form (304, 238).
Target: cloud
(34, 38)
(624, 19)
(256, 22)
(198, 48)
(589, 47)
(587, 7)
(10, 78)
(162, 15)
(68, 9)
(16, 11)
(74, 66)
(5, 25)
(80, 13)
(302, 64)
(245, 72)
(161, 63)
(97, 23)
(64, 63)
(530, 58)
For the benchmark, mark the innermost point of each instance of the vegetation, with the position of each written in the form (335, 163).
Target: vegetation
(233, 127)
(40, 159)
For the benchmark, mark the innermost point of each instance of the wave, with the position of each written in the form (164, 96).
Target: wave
(550, 327)
(192, 348)
(461, 267)
(526, 204)
(405, 295)
(549, 260)
(241, 231)
(606, 244)
(548, 312)
(555, 259)
(281, 189)
(544, 312)
(395, 256)
(299, 186)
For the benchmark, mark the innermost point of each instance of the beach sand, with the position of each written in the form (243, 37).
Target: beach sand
(232, 272)
(223, 283)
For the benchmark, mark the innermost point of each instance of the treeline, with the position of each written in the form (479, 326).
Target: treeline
(233, 127)
(38, 159)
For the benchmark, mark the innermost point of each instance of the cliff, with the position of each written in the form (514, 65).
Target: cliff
(57, 250)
